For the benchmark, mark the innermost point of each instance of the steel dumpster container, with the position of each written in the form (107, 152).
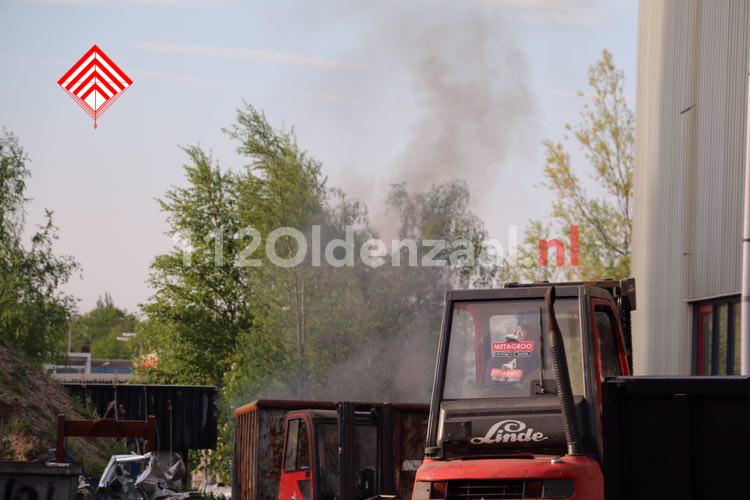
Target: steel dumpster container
(22, 480)
(186, 416)
(676, 437)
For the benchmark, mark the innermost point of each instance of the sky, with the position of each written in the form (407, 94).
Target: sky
(383, 91)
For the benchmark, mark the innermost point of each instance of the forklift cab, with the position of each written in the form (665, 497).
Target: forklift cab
(335, 455)
(495, 389)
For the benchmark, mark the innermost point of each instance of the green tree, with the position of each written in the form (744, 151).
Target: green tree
(227, 312)
(406, 359)
(200, 305)
(215, 317)
(605, 136)
(282, 188)
(100, 328)
(34, 313)
(442, 213)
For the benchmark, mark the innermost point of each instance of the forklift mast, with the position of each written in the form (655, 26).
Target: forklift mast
(366, 483)
(352, 451)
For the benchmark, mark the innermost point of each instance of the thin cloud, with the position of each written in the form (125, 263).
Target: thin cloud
(103, 2)
(554, 12)
(222, 84)
(172, 77)
(220, 52)
(62, 2)
(192, 80)
(324, 96)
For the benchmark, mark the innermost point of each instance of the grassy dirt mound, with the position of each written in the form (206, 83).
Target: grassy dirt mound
(30, 401)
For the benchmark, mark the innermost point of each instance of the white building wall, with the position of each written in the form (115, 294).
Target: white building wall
(690, 121)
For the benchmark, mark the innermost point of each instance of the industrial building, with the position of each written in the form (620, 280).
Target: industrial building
(692, 87)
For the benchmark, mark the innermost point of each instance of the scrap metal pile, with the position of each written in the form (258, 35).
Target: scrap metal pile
(133, 476)
(137, 477)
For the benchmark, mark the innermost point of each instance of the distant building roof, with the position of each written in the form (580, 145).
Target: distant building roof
(79, 367)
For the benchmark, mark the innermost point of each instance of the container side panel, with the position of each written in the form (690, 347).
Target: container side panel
(186, 416)
(676, 437)
(411, 426)
(720, 425)
(270, 447)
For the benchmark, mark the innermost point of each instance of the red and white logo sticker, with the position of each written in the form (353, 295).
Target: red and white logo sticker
(95, 82)
(510, 348)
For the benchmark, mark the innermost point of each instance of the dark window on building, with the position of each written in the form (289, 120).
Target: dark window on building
(716, 345)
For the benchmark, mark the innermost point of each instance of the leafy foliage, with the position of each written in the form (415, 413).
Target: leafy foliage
(34, 314)
(199, 308)
(241, 317)
(100, 328)
(605, 136)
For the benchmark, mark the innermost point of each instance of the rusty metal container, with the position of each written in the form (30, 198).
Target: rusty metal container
(409, 433)
(259, 444)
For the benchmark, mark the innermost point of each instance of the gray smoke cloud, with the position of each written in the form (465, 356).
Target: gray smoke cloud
(468, 88)
(456, 72)
(473, 95)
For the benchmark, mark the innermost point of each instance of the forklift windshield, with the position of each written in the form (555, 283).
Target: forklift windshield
(498, 349)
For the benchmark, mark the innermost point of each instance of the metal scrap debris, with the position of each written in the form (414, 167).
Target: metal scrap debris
(138, 477)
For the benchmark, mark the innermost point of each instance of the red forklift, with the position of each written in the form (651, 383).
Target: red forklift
(326, 450)
(330, 454)
(533, 398)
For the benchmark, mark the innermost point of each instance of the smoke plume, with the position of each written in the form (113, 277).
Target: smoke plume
(464, 78)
